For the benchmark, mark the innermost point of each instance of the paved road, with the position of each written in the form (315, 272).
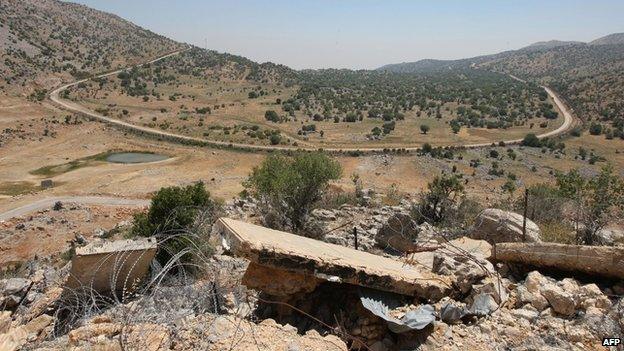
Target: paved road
(84, 200)
(75, 107)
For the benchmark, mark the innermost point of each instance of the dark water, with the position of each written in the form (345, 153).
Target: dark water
(135, 157)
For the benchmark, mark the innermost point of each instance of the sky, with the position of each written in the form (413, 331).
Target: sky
(366, 34)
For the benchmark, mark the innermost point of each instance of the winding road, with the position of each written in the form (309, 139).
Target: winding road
(77, 108)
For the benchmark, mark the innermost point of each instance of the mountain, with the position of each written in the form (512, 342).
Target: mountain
(43, 42)
(611, 39)
(46, 42)
(544, 45)
(414, 67)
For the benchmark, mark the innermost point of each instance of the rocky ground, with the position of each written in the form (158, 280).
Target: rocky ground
(46, 233)
(496, 307)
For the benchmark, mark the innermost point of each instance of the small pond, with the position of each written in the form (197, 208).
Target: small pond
(135, 157)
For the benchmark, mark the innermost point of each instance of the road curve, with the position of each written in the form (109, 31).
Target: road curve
(84, 200)
(77, 108)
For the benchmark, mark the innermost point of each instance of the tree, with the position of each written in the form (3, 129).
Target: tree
(595, 129)
(531, 140)
(172, 212)
(271, 116)
(291, 185)
(275, 139)
(455, 126)
(595, 199)
(441, 197)
(424, 128)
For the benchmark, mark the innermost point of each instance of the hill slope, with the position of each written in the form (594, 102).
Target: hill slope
(611, 39)
(45, 41)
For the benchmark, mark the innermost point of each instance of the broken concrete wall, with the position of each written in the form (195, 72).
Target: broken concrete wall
(111, 266)
(329, 262)
(595, 260)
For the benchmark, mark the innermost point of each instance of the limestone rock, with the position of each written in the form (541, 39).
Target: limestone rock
(15, 338)
(147, 337)
(399, 233)
(92, 331)
(498, 226)
(561, 301)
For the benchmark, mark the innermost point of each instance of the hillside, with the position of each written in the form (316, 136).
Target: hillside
(544, 45)
(590, 77)
(45, 41)
(611, 39)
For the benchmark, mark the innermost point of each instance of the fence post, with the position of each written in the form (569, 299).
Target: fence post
(355, 239)
(524, 219)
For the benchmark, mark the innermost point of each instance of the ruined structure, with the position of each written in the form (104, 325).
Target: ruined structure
(111, 266)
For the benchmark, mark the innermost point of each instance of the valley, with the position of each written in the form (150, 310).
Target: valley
(245, 191)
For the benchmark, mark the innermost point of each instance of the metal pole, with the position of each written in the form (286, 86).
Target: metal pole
(524, 221)
(355, 237)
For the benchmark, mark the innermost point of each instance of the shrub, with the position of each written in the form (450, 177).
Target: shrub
(173, 212)
(271, 116)
(531, 140)
(595, 200)
(441, 197)
(595, 129)
(290, 185)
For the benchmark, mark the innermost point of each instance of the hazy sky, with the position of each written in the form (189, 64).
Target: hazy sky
(368, 33)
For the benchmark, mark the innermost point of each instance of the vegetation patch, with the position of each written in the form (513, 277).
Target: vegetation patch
(18, 188)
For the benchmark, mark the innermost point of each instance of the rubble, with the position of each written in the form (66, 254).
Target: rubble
(498, 226)
(111, 266)
(312, 295)
(601, 261)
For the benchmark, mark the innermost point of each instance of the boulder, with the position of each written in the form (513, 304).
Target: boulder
(14, 286)
(398, 233)
(12, 291)
(498, 226)
(562, 302)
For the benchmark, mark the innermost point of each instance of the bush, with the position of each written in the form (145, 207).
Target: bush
(271, 116)
(595, 199)
(173, 212)
(441, 198)
(595, 129)
(290, 185)
(531, 140)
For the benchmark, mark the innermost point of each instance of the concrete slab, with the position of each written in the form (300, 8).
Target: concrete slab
(297, 254)
(602, 261)
(111, 266)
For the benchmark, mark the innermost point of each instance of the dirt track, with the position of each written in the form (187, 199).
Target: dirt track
(84, 200)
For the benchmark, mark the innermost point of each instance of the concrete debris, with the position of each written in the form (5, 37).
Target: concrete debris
(111, 266)
(594, 260)
(498, 226)
(328, 262)
(278, 282)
